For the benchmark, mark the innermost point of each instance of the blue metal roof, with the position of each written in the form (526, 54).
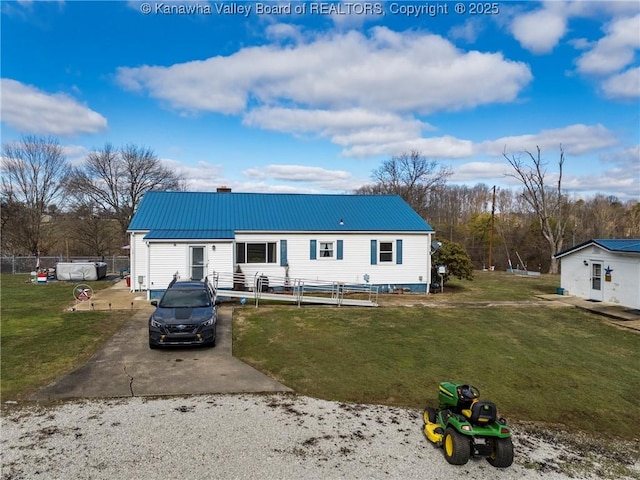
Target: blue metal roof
(190, 215)
(624, 245)
(620, 245)
(159, 234)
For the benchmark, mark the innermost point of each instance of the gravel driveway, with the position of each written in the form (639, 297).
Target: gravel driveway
(245, 436)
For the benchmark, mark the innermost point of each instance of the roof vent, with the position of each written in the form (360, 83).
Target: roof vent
(223, 189)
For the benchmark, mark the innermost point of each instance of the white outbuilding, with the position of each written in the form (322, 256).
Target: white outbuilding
(603, 270)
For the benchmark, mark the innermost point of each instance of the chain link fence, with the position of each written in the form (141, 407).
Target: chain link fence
(16, 265)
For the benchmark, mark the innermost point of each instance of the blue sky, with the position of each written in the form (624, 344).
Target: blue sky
(315, 98)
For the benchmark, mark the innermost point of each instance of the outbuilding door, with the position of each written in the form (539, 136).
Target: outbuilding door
(596, 282)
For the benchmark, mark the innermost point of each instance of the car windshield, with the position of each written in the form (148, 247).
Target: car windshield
(179, 298)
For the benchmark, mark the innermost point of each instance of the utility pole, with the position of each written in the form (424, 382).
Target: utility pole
(493, 212)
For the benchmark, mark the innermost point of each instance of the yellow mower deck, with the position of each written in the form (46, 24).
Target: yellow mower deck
(430, 430)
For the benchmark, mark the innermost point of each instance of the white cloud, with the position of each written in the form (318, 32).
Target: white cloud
(385, 70)
(307, 178)
(200, 177)
(296, 173)
(541, 30)
(283, 31)
(624, 85)
(467, 31)
(348, 128)
(615, 51)
(74, 153)
(612, 181)
(361, 91)
(575, 140)
(31, 110)
(434, 147)
(263, 187)
(476, 172)
(626, 164)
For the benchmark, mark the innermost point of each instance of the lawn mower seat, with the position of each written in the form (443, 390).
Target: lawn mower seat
(481, 412)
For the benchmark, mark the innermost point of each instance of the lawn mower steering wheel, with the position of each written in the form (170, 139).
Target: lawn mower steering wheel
(468, 392)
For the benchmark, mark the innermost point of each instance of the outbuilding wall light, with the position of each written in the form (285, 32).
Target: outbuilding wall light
(586, 264)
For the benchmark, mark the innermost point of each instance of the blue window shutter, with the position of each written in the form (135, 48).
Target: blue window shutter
(312, 250)
(283, 253)
(339, 249)
(374, 252)
(398, 251)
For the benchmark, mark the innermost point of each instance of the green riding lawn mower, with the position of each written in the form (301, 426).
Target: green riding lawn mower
(466, 426)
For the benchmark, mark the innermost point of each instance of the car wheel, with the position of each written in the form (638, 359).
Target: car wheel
(457, 448)
(501, 452)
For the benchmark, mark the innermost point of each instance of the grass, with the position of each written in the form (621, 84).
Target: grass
(555, 365)
(497, 286)
(39, 340)
(544, 364)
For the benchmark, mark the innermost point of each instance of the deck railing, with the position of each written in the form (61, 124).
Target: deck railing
(288, 289)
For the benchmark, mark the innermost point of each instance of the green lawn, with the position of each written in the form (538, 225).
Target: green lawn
(497, 286)
(543, 364)
(39, 340)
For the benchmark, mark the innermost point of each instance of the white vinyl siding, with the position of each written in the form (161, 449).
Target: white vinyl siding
(165, 260)
(355, 262)
(159, 261)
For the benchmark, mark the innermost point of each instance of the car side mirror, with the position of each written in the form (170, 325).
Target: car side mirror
(154, 303)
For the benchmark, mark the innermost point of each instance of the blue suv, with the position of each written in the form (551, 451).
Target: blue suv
(185, 315)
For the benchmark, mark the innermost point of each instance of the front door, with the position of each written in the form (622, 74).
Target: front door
(596, 282)
(197, 263)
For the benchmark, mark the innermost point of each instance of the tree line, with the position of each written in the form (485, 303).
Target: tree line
(521, 228)
(50, 207)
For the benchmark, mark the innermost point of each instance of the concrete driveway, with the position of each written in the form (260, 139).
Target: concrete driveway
(126, 367)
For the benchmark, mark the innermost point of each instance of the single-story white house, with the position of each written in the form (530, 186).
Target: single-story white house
(352, 239)
(603, 270)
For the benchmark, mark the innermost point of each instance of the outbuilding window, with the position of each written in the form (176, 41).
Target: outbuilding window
(386, 252)
(263, 252)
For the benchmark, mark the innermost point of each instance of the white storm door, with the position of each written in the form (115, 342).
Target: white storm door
(196, 263)
(596, 282)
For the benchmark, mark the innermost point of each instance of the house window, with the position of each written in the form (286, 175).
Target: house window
(326, 249)
(197, 263)
(386, 252)
(264, 252)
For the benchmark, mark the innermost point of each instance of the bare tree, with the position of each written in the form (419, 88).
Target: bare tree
(548, 203)
(632, 217)
(116, 180)
(410, 175)
(34, 170)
